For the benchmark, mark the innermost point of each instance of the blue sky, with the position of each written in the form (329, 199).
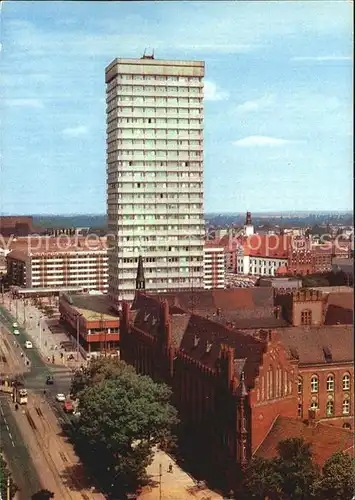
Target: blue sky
(278, 99)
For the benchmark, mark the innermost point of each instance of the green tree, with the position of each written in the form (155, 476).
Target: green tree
(5, 475)
(123, 416)
(261, 480)
(337, 481)
(289, 476)
(97, 371)
(297, 469)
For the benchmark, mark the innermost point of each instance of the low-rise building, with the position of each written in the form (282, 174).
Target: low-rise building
(262, 255)
(90, 319)
(214, 266)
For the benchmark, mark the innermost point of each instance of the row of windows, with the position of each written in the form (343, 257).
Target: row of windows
(330, 383)
(157, 99)
(151, 176)
(194, 122)
(157, 142)
(112, 157)
(158, 163)
(150, 132)
(151, 260)
(153, 88)
(163, 112)
(330, 407)
(157, 78)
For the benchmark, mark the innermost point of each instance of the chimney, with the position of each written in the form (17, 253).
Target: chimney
(165, 325)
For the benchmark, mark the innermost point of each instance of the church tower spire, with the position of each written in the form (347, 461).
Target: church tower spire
(140, 281)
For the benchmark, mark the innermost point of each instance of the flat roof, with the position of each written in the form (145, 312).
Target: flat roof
(47, 289)
(92, 307)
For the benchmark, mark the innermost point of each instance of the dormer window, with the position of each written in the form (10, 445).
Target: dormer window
(209, 346)
(196, 340)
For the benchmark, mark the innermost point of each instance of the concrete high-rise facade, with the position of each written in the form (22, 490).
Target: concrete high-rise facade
(155, 174)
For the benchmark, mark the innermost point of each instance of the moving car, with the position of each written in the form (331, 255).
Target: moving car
(28, 344)
(16, 331)
(15, 325)
(60, 398)
(68, 406)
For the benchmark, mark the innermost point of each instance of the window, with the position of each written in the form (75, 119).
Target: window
(346, 407)
(299, 411)
(330, 383)
(346, 382)
(306, 317)
(346, 426)
(314, 383)
(314, 405)
(300, 385)
(330, 408)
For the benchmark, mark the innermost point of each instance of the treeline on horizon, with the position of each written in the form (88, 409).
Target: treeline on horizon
(215, 220)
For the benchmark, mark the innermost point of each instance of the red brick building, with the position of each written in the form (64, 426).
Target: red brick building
(17, 225)
(237, 361)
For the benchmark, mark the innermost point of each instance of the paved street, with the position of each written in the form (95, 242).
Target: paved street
(16, 452)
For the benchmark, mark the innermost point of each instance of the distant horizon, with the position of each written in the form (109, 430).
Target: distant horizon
(255, 212)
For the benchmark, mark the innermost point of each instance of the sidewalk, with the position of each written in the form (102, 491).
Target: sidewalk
(37, 326)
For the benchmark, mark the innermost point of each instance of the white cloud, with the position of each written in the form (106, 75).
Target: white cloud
(257, 104)
(322, 58)
(75, 131)
(213, 93)
(24, 103)
(260, 140)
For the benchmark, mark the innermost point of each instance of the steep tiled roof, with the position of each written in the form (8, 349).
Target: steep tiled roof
(340, 309)
(325, 439)
(203, 338)
(253, 302)
(199, 337)
(309, 343)
(273, 246)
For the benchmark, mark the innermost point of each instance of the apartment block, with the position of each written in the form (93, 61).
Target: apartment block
(214, 266)
(50, 262)
(154, 174)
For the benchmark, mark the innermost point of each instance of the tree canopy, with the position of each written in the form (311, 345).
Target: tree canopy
(292, 475)
(4, 476)
(123, 415)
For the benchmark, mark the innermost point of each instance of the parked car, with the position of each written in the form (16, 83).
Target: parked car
(16, 331)
(28, 344)
(50, 380)
(60, 398)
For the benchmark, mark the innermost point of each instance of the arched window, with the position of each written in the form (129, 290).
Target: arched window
(346, 407)
(347, 425)
(314, 405)
(330, 383)
(346, 382)
(314, 383)
(299, 385)
(306, 317)
(330, 408)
